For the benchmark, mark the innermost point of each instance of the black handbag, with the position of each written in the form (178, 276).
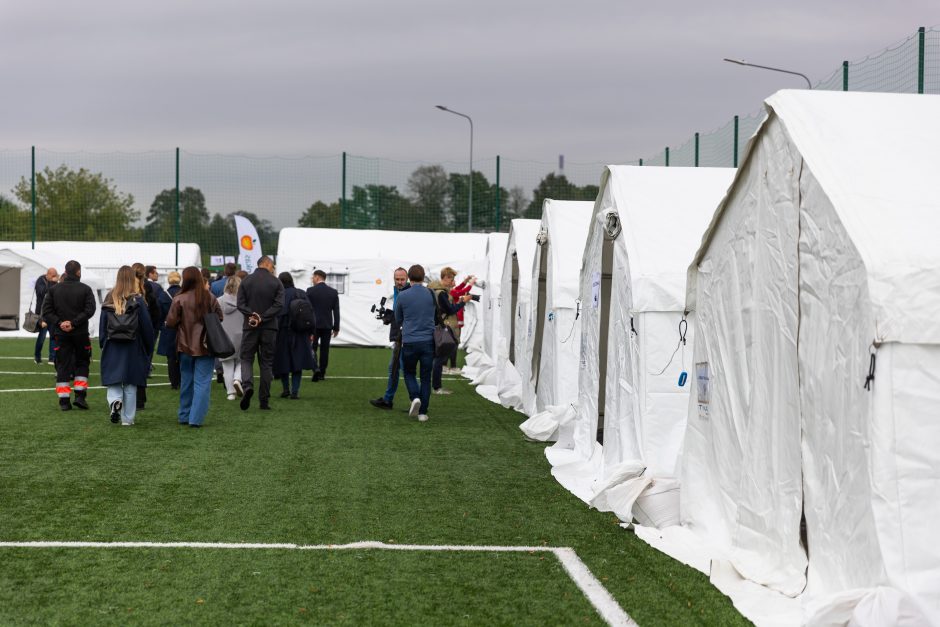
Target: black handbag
(217, 340)
(444, 341)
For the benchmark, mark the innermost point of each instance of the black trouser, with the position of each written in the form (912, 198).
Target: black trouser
(261, 342)
(173, 366)
(73, 356)
(321, 339)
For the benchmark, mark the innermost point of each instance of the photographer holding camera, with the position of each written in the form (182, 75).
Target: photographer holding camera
(387, 316)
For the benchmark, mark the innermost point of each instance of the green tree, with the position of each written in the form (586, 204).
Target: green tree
(15, 223)
(484, 202)
(429, 192)
(161, 221)
(79, 205)
(378, 207)
(322, 215)
(558, 187)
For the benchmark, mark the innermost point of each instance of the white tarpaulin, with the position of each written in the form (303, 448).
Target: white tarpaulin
(482, 358)
(553, 336)
(647, 224)
(513, 308)
(819, 258)
(360, 264)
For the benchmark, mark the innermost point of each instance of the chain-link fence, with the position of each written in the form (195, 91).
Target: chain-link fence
(176, 195)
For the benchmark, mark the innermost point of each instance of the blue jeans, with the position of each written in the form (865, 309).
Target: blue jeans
(394, 366)
(195, 382)
(127, 394)
(411, 356)
(40, 340)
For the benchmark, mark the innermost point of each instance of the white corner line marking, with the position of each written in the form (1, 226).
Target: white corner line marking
(580, 574)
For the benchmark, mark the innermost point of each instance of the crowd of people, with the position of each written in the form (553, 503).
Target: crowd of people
(264, 317)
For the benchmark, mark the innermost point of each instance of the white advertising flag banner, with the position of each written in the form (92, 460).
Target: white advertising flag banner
(249, 246)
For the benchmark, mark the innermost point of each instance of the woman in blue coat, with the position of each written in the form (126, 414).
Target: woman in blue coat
(125, 335)
(166, 345)
(292, 353)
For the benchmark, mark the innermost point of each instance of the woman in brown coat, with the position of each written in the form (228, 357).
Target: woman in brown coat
(186, 316)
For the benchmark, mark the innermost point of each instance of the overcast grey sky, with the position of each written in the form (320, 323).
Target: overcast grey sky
(602, 81)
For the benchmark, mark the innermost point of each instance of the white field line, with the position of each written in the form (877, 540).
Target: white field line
(580, 574)
(90, 387)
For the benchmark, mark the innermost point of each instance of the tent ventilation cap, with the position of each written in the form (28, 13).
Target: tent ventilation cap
(542, 238)
(612, 225)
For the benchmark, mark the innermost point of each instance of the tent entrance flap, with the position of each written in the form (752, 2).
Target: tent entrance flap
(607, 263)
(10, 277)
(542, 296)
(514, 298)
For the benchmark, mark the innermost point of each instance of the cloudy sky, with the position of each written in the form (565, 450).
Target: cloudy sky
(601, 81)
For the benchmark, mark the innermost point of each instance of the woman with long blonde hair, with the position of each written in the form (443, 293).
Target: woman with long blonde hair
(125, 335)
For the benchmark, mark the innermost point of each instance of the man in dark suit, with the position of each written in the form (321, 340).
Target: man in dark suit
(260, 298)
(325, 302)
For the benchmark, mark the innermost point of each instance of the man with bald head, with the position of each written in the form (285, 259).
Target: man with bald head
(43, 283)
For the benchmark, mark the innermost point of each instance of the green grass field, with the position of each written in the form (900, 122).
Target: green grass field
(325, 469)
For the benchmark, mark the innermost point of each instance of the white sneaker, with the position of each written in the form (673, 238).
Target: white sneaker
(239, 391)
(422, 417)
(442, 392)
(231, 397)
(415, 406)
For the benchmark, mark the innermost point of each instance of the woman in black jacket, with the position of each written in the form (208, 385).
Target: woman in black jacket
(166, 345)
(292, 353)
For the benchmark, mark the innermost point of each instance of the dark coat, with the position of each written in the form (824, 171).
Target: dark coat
(292, 351)
(167, 343)
(158, 294)
(69, 300)
(41, 287)
(261, 292)
(126, 363)
(325, 302)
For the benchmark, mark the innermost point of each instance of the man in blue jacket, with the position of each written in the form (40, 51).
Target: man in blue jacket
(415, 312)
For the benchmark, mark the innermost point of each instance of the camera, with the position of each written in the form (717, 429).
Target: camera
(475, 298)
(382, 312)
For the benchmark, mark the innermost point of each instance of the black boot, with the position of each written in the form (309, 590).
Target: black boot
(65, 404)
(80, 401)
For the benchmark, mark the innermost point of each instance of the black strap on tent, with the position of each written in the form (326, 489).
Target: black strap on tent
(871, 373)
(683, 329)
(632, 328)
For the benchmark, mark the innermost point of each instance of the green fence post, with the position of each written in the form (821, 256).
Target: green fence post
(342, 207)
(641, 162)
(845, 76)
(920, 60)
(33, 195)
(498, 199)
(667, 156)
(177, 218)
(735, 141)
(696, 150)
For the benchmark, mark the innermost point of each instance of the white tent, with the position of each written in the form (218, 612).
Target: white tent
(553, 335)
(104, 258)
(10, 318)
(648, 221)
(360, 263)
(18, 285)
(820, 268)
(482, 359)
(513, 305)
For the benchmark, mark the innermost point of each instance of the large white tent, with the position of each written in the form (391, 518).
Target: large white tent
(515, 291)
(647, 223)
(811, 457)
(482, 358)
(553, 335)
(18, 282)
(360, 263)
(104, 258)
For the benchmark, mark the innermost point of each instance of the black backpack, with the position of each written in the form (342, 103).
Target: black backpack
(302, 319)
(123, 327)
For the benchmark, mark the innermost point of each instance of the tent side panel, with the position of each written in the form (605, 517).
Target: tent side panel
(741, 477)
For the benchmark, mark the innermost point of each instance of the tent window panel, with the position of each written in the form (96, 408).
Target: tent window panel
(337, 280)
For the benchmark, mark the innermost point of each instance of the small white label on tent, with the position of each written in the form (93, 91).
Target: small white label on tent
(595, 290)
(530, 328)
(229, 259)
(216, 260)
(702, 388)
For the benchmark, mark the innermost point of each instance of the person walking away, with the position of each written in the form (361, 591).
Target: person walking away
(153, 308)
(232, 323)
(153, 279)
(166, 345)
(292, 352)
(43, 283)
(66, 309)
(325, 301)
(187, 315)
(217, 287)
(260, 299)
(447, 310)
(125, 335)
(386, 401)
(415, 312)
(464, 288)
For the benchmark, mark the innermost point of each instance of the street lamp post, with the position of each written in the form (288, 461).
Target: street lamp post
(470, 181)
(772, 69)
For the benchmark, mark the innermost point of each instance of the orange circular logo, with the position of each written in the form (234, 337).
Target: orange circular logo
(247, 244)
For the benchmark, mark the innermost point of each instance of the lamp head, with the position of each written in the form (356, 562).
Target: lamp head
(441, 107)
(737, 61)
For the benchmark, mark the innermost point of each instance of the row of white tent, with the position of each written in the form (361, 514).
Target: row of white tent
(744, 365)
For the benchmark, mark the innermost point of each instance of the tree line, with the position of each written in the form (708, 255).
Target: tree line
(83, 205)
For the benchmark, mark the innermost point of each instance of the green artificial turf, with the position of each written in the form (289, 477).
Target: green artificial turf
(327, 468)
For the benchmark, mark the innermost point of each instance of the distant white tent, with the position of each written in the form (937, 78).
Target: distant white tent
(104, 258)
(554, 332)
(18, 283)
(647, 223)
(816, 292)
(10, 318)
(360, 263)
(515, 291)
(482, 359)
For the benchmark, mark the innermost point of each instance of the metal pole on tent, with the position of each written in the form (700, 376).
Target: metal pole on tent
(33, 195)
(470, 182)
(920, 59)
(497, 194)
(809, 83)
(177, 217)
